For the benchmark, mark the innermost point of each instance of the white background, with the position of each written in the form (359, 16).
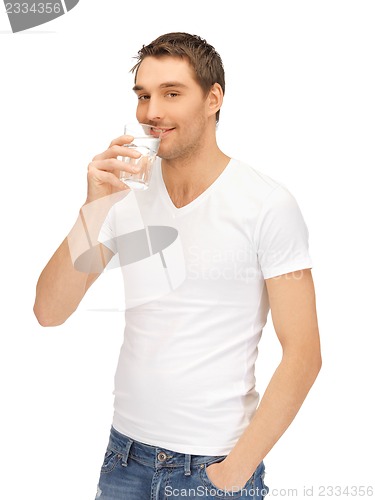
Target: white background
(299, 106)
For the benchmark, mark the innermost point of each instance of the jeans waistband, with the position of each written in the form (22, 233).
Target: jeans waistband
(155, 456)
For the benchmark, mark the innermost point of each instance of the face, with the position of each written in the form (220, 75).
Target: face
(170, 99)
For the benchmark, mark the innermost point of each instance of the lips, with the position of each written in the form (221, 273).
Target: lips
(161, 131)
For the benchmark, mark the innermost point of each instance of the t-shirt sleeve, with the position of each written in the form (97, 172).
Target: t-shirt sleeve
(281, 235)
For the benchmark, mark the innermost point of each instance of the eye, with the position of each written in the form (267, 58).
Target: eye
(143, 97)
(172, 94)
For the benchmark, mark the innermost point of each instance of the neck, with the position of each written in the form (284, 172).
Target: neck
(186, 178)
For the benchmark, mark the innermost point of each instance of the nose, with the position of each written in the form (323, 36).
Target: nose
(153, 111)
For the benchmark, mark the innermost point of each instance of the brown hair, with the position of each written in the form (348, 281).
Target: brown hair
(203, 58)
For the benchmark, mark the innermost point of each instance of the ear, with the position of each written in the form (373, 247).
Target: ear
(214, 99)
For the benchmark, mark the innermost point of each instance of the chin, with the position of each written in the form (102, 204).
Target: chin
(165, 154)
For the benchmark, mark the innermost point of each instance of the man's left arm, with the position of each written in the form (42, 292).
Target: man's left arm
(293, 309)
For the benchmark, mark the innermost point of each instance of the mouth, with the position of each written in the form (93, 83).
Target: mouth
(161, 131)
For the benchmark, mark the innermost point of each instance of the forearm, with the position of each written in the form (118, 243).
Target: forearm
(73, 268)
(282, 399)
(60, 288)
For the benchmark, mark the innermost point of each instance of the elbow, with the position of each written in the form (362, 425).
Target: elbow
(316, 365)
(316, 356)
(319, 363)
(313, 365)
(307, 362)
(46, 320)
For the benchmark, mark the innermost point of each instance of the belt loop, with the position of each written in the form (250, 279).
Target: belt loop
(126, 453)
(187, 465)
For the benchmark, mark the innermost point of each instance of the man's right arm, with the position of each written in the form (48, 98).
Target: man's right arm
(61, 287)
(81, 258)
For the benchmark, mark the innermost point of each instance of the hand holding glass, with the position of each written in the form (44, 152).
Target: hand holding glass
(146, 141)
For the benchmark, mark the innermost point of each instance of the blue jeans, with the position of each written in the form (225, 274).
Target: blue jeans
(135, 471)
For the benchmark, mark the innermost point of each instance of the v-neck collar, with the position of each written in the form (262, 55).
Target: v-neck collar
(198, 200)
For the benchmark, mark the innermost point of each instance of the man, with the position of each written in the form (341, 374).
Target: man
(187, 420)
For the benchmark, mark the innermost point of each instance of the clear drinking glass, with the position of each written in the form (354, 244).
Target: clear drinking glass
(146, 141)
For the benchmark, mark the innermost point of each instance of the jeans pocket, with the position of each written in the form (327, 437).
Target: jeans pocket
(256, 483)
(111, 459)
(211, 489)
(262, 488)
(254, 487)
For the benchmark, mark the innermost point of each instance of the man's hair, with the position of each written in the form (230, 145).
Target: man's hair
(203, 58)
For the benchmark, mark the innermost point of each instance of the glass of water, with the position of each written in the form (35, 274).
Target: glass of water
(146, 141)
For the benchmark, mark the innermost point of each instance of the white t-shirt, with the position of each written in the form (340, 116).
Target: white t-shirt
(196, 304)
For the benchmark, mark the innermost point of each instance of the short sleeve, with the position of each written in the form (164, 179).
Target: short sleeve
(281, 235)
(124, 217)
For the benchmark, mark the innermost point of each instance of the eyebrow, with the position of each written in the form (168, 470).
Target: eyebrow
(165, 85)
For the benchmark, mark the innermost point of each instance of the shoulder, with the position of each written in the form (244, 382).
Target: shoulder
(257, 185)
